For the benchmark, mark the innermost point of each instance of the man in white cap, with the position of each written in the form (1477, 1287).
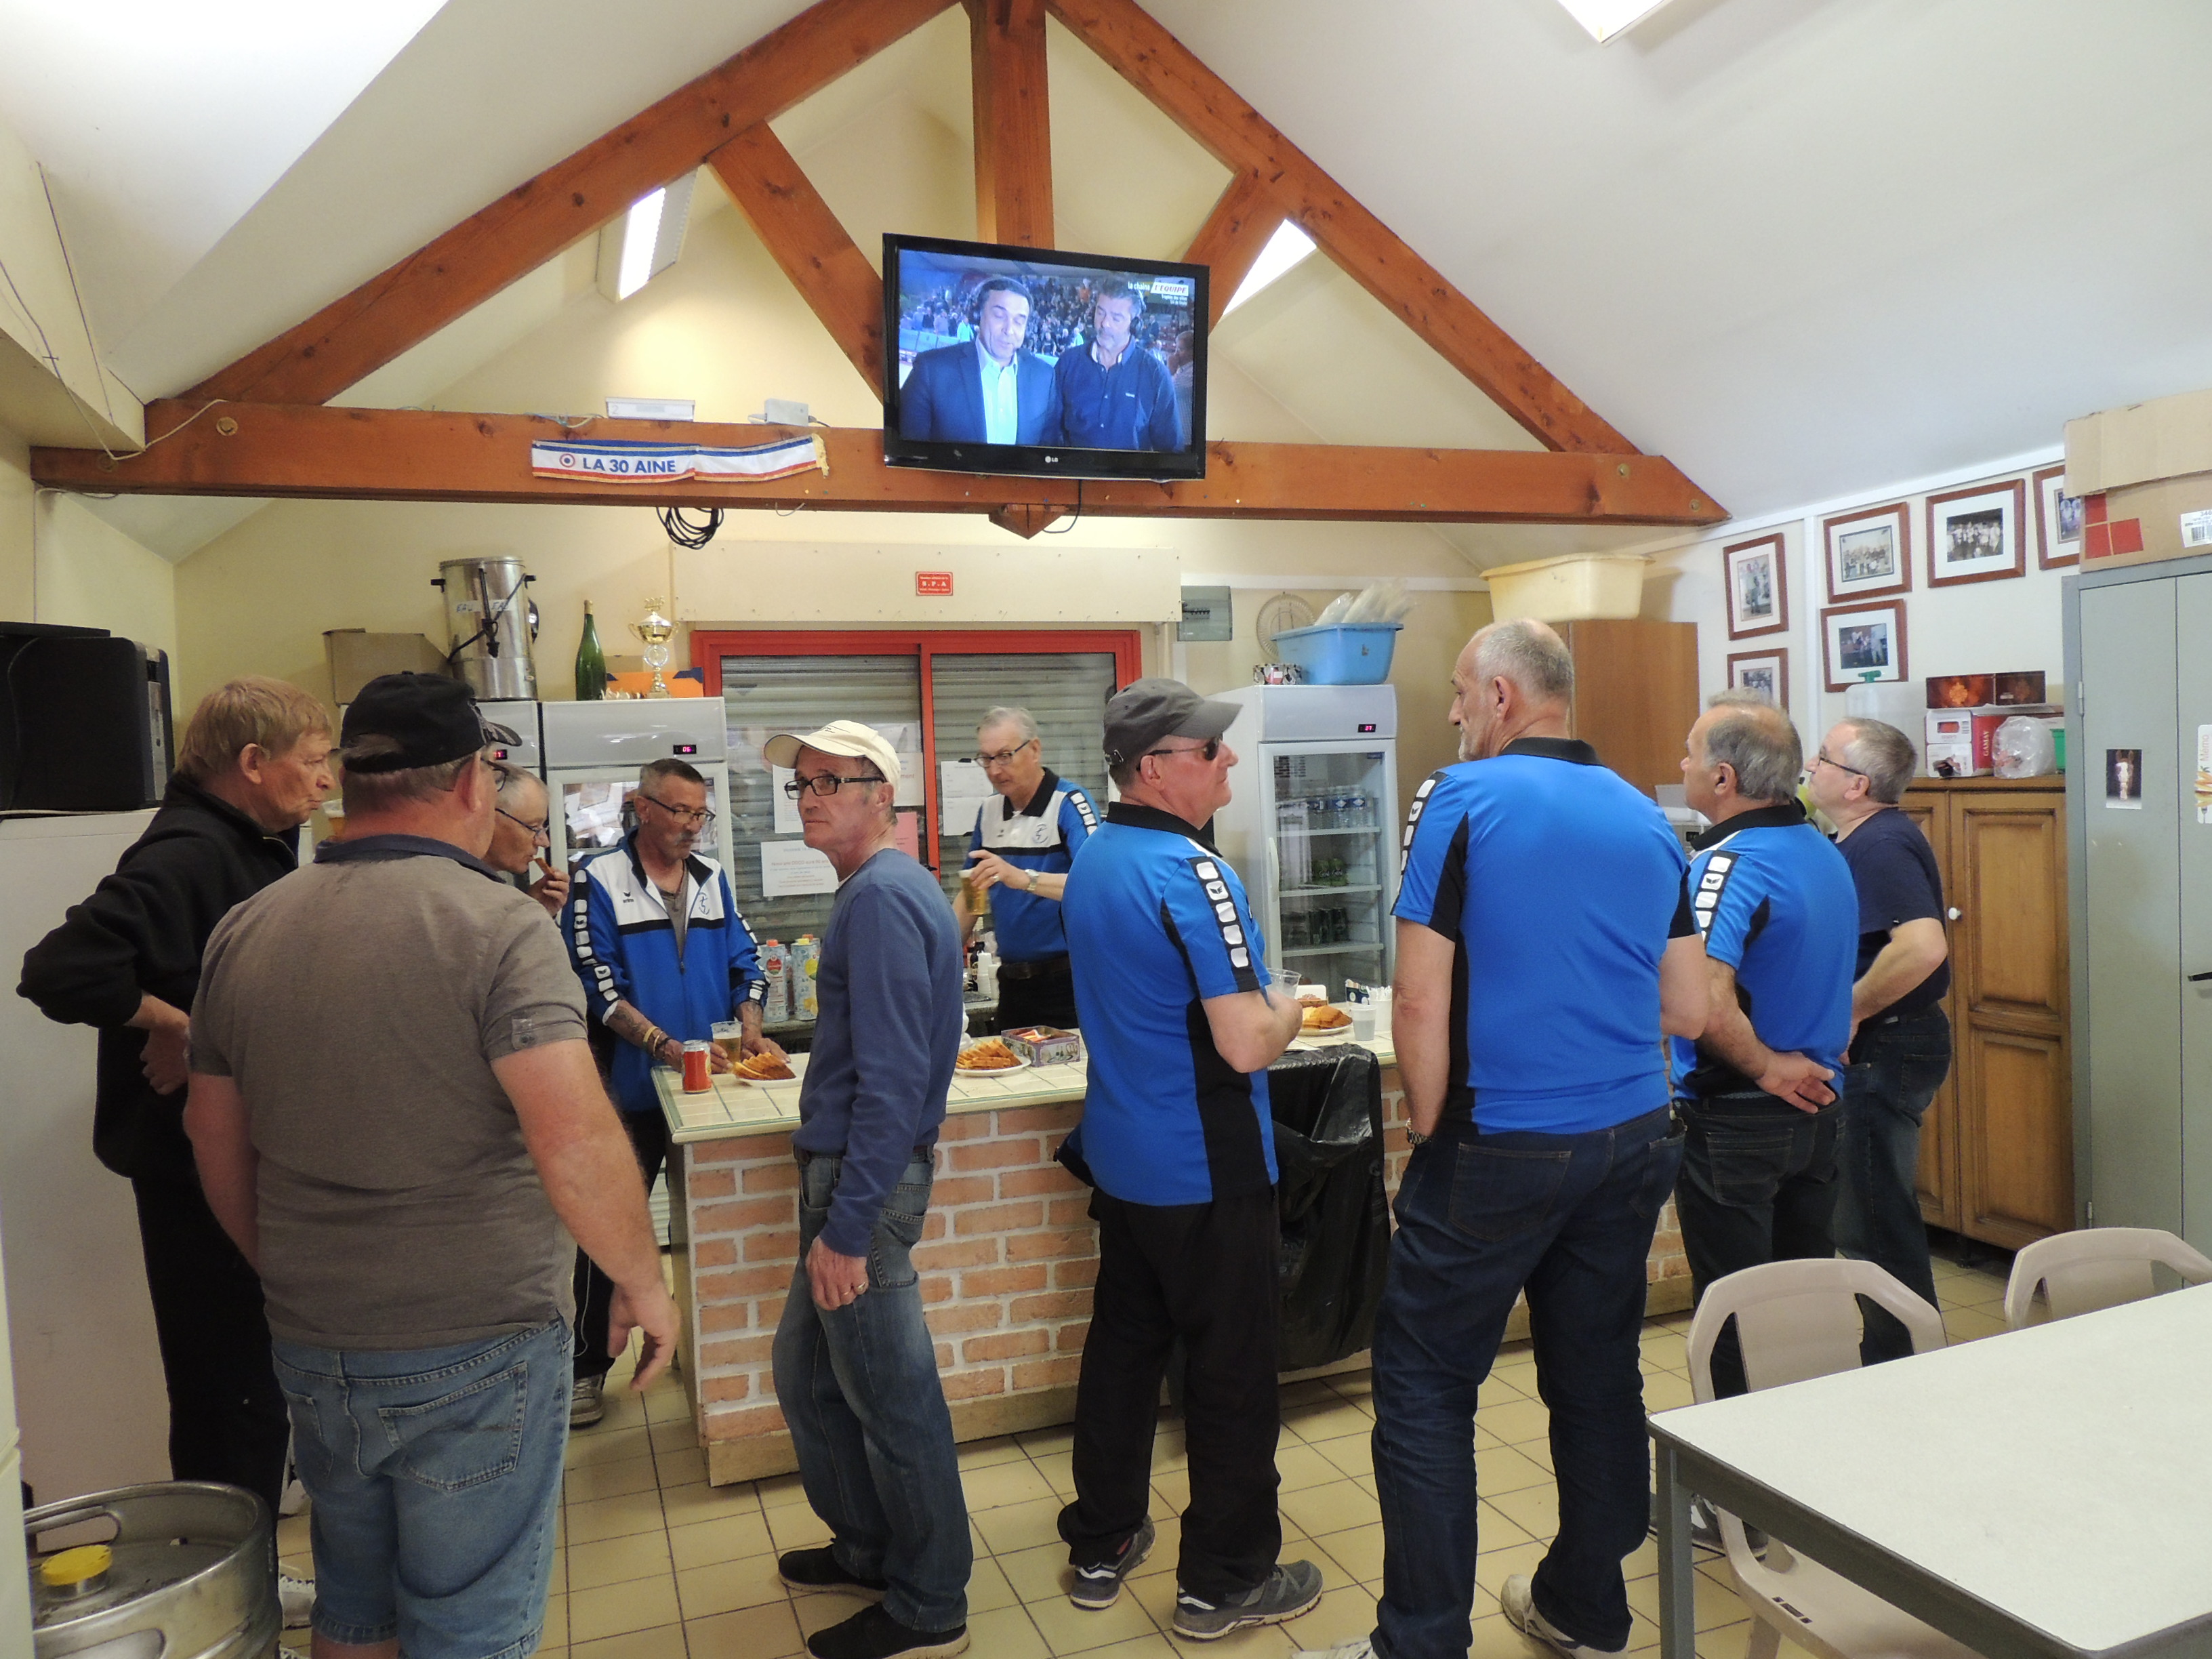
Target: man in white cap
(855, 1369)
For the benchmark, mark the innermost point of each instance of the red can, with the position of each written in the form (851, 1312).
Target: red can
(696, 1068)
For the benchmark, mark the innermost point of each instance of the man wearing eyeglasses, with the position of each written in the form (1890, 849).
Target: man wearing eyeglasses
(1173, 991)
(1024, 842)
(521, 827)
(656, 937)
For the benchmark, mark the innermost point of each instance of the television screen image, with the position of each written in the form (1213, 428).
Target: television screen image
(1034, 363)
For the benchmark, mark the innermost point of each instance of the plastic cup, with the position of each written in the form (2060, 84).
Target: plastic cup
(1287, 982)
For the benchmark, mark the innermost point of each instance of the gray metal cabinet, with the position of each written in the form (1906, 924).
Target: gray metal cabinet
(2139, 664)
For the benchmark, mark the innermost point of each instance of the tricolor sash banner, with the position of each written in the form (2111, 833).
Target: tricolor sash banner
(616, 461)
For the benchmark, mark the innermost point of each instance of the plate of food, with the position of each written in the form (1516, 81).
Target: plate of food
(761, 1068)
(991, 1055)
(1321, 1020)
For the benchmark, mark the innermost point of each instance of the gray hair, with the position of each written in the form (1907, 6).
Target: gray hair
(380, 791)
(1020, 719)
(1886, 755)
(1758, 741)
(513, 777)
(1530, 655)
(668, 767)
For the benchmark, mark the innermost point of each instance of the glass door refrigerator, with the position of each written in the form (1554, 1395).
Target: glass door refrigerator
(1313, 826)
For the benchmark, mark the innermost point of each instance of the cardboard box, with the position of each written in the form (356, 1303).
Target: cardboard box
(358, 656)
(2146, 473)
(1961, 741)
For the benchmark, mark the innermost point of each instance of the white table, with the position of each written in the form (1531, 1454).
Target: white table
(2044, 1494)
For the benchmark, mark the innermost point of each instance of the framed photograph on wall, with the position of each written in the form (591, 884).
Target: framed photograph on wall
(2057, 520)
(1978, 535)
(1869, 552)
(1862, 641)
(1766, 673)
(1758, 588)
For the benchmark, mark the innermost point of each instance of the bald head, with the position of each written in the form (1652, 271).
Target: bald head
(1514, 679)
(1529, 654)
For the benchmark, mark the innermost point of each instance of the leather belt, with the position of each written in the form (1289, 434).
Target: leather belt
(1049, 967)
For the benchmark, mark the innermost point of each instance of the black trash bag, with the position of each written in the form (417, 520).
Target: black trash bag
(1328, 1107)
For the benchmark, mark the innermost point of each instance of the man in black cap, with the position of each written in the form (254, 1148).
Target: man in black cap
(1170, 983)
(390, 1081)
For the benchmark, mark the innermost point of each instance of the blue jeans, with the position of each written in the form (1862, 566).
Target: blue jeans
(1896, 1069)
(1480, 1217)
(434, 1477)
(859, 1389)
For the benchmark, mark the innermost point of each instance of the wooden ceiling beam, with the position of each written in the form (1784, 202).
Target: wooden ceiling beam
(806, 238)
(1232, 238)
(353, 336)
(296, 450)
(1013, 122)
(1238, 136)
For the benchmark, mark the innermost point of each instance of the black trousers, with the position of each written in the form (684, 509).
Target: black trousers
(227, 1420)
(1044, 999)
(595, 1291)
(1206, 1273)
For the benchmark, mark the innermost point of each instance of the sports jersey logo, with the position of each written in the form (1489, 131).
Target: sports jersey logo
(1413, 816)
(1211, 879)
(1712, 880)
(1083, 811)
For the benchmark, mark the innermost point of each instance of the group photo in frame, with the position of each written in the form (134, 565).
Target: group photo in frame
(2058, 518)
(1766, 672)
(1758, 580)
(1869, 552)
(1978, 534)
(1859, 641)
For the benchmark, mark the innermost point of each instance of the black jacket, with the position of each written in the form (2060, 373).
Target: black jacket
(144, 929)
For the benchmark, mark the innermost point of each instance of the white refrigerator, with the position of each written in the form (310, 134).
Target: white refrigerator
(1313, 826)
(592, 751)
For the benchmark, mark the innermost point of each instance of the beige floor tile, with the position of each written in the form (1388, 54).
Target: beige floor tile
(1167, 1547)
(664, 1642)
(1173, 1486)
(1538, 1452)
(1039, 1573)
(1644, 1563)
(1969, 1324)
(1020, 1526)
(595, 1480)
(1534, 1510)
(1171, 1451)
(667, 1406)
(778, 1490)
(1340, 1615)
(731, 1539)
(725, 1586)
(1321, 1510)
(556, 1631)
(601, 1447)
(557, 1583)
(1350, 1453)
(1300, 1465)
(673, 1436)
(1312, 1424)
(1508, 1468)
(1666, 1390)
(987, 1586)
(1718, 1606)
(982, 1454)
(998, 1484)
(680, 1468)
(616, 1609)
(1005, 1633)
(1309, 1391)
(1494, 1639)
(795, 1526)
(613, 1517)
(1058, 1469)
(767, 1632)
(292, 1533)
(1524, 1420)
(1492, 1567)
(1059, 1439)
(1356, 1554)
(615, 1560)
(1497, 1391)
(624, 1410)
(689, 1505)
(1144, 1647)
(1067, 1628)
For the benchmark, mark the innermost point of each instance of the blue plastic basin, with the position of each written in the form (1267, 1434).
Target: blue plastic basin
(1342, 654)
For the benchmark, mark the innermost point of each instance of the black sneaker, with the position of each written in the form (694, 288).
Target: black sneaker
(1285, 1593)
(817, 1569)
(871, 1633)
(1101, 1586)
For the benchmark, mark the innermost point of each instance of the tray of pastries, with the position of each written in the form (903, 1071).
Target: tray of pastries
(761, 1068)
(1322, 1017)
(991, 1055)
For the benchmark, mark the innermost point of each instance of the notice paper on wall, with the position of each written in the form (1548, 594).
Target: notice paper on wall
(2204, 775)
(789, 868)
(962, 787)
(2124, 779)
(786, 810)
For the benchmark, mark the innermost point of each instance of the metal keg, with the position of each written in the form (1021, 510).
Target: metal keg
(490, 621)
(190, 1573)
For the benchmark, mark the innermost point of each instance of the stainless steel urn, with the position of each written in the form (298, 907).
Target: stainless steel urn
(490, 621)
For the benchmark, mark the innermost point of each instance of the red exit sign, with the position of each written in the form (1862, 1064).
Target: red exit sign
(934, 581)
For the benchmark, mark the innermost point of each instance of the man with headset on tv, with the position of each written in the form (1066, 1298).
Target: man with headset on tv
(1114, 394)
(987, 390)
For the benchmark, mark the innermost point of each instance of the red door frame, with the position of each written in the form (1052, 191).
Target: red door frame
(710, 646)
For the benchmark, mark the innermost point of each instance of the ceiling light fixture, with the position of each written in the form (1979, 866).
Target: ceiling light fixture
(1606, 18)
(1284, 249)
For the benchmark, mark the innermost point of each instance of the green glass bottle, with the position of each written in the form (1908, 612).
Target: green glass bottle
(591, 662)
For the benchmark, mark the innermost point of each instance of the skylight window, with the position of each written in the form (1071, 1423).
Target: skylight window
(639, 232)
(1606, 18)
(1284, 249)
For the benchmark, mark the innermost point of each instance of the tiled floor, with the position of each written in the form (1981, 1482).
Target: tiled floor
(657, 1564)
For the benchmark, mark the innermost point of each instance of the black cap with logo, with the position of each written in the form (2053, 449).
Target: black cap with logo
(1145, 711)
(401, 721)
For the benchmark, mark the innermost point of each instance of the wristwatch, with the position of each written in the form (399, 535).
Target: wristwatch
(1031, 887)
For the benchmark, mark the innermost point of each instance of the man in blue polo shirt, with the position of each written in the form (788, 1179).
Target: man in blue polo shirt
(1114, 394)
(1780, 918)
(1544, 945)
(1024, 840)
(1169, 983)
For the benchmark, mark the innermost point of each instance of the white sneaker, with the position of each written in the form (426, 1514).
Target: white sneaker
(1359, 1647)
(297, 1597)
(586, 1404)
(1519, 1601)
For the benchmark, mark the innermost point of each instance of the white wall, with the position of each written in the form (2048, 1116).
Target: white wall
(90, 574)
(15, 536)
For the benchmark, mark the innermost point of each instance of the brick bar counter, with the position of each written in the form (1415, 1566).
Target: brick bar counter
(1008, 1257)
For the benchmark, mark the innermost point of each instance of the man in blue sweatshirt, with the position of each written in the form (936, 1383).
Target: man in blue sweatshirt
(855, 1369)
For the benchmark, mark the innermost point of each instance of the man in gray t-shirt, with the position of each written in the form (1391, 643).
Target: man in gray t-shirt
(395, 1114)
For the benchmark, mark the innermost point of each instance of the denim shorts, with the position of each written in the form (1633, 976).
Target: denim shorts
(435, 1480)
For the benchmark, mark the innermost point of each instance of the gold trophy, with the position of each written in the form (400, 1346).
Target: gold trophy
(655, 631)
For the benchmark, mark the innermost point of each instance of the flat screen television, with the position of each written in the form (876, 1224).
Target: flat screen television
(1042, 364)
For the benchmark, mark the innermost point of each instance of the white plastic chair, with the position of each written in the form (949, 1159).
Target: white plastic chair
(1796, 1320)
(2097, 1268)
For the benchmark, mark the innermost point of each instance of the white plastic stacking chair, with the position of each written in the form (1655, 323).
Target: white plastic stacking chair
(2097, 1268)
(1796, 1320)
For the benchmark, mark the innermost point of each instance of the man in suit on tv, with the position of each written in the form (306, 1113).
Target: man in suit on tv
(1114, 394)
(987, 390)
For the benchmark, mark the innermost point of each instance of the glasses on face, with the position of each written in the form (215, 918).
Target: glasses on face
(826, 783)
(541, 830)
(694, 818)
(1209, 749)
(1820, 758)
(1004, 756)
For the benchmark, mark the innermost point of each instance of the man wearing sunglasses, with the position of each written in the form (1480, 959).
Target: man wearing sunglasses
(656, 937)
(520, 831)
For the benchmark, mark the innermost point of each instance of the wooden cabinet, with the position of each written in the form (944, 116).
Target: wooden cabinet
(1636, 694)
(1996, 1152)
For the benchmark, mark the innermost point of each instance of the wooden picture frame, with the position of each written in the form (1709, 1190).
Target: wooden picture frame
(2052, 544)
(1755, 577)
(1846, 660)
(1764, 671)
(1978, 534)
(1876, 536)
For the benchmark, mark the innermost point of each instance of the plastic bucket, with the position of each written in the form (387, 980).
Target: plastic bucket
(1579, 587)
(1343, 653)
